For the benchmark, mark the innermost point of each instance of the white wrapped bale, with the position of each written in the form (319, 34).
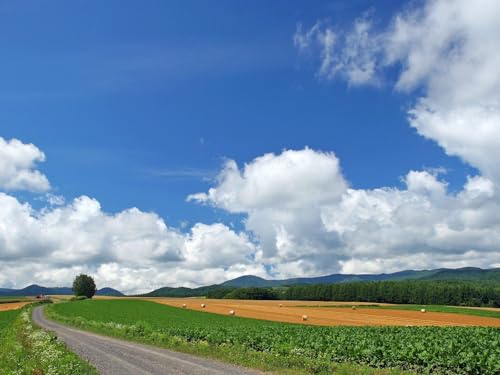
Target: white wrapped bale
(422, 310)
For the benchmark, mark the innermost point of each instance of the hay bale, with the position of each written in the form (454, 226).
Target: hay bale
(203, 305)
(184, 306)
(353, 307)
(231, 312)
(422, 310)
(281, 305)
(305, 318)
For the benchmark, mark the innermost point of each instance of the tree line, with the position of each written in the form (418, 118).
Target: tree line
(455, 293)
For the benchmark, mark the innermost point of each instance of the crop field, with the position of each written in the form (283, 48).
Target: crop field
(490, 312)
(445, 350)
(6, 319)
(317, 314)
(13, 299)
(12, 305)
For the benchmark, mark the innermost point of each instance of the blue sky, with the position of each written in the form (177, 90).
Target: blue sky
(142, 104)
(136, 104)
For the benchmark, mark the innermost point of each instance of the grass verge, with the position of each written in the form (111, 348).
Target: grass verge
(289, 348)
(28, 350)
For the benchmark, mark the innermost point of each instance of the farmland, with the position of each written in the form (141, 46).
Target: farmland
(320, 313)
(6, 318)
(7, 306)
(491, 312)
(13, 299)
(304, 348)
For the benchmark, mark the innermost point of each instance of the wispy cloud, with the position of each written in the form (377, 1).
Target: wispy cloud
(182, 173)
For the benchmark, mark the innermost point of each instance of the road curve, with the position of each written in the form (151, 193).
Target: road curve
(116, 357)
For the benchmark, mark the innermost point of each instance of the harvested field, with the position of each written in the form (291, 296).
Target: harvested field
(12, 306)
(290, 312)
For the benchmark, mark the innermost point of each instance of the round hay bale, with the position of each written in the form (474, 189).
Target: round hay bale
(305, 318)
(353, 307)
(422, 310)
(184, 306)
(231, 312)
(203, 305)
(281, 305)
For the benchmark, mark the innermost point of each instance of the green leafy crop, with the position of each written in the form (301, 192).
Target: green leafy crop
(445, 350)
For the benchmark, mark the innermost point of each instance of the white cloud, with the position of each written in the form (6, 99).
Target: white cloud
(132, 250)
(308, 221)
(17, 163)
(288, 180)
(450, 50)
(449, 53)
(216, 246)
(301, 218)
(349, 55)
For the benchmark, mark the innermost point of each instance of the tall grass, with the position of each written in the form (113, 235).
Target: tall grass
(28, 350)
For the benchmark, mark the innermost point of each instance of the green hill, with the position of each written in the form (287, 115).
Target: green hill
(490, 276)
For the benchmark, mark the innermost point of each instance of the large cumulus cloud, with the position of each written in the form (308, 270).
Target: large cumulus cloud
(312, 222)
(131, 250)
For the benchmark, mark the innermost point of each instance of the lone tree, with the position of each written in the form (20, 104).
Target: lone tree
(84, 285)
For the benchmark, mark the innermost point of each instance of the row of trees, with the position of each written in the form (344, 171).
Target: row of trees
(406, 292)
(403, 292)
(247, 293)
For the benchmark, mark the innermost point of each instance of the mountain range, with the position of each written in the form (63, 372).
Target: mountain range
(34, 290)
(465, 274)
(462, 274)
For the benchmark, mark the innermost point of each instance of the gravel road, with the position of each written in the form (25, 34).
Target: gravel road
(116, 357)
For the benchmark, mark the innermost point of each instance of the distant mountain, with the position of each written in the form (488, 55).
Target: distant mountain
(254, 281)
(109, 292)
(466, 274)
(182, 291)
(34, 290)
(250, 281)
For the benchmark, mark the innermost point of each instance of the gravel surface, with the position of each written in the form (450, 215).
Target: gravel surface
(111, 356)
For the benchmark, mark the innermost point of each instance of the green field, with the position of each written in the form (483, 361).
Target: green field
(271, 345)
(429, 308)
(6, 320)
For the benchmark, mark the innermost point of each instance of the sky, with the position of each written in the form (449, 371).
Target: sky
(187, 143)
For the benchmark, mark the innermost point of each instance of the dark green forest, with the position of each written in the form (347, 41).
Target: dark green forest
(455, 293)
